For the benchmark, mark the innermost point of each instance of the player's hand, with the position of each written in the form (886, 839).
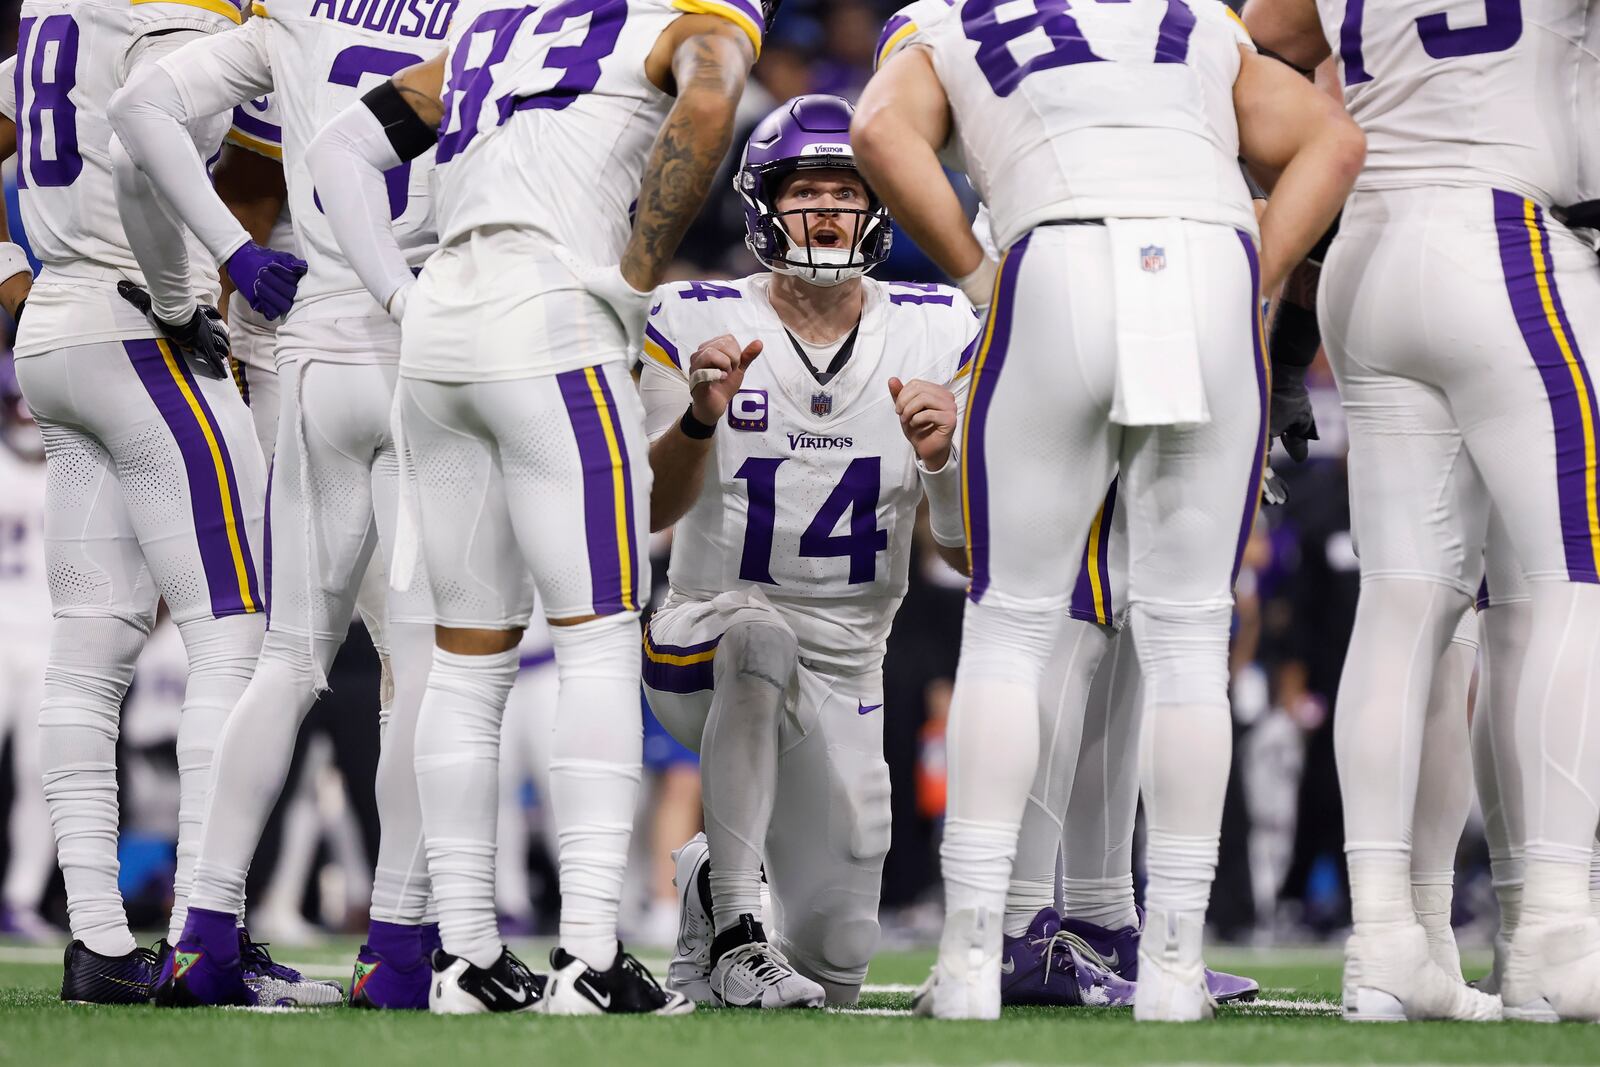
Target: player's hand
(716, 371)
(265, 277)
(203, 339)
(927, 418)
(631, 306)
(1292, 419)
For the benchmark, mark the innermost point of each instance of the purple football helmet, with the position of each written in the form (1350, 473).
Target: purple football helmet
(807, 133)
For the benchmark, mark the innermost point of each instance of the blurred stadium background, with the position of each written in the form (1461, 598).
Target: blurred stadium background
(1281, 878)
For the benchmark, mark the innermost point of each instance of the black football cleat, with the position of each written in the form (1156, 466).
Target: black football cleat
(627, 988)
(459, 988)
(90, 978)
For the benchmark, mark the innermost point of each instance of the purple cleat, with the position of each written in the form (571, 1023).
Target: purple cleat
(1045, 968)
(392, 971)
(1118, 952)
(204, 967)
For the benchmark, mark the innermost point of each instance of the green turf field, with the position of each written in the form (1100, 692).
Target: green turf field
(1295, 1022)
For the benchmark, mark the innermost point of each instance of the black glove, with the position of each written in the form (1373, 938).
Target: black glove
(1293, 344)
(203, 340)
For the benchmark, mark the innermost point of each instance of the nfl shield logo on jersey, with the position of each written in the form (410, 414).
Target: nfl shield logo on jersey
(821, 404)
(1153, 258)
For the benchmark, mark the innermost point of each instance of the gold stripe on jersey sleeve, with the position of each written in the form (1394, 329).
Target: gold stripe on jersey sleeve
(723, 10)
(259, 9)
(894, 42)
(1234, 15)
(216, 7)
(255, 144)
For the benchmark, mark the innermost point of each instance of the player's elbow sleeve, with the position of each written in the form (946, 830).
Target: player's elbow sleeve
(150, 97)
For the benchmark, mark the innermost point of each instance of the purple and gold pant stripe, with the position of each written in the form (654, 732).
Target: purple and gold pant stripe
(679, 668)
(219, 523)
(1258, 338)
(608, 517)
(241, 380)
(986, 368)
(1530, 278)
(1091, 594)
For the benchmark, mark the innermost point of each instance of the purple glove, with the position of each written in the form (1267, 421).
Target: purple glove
(265, 277)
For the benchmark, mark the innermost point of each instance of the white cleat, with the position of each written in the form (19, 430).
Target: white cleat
(1172, 973)
(1552, 971)
(689, 972)
(1391, 977)
(965, 983)
(755, 975)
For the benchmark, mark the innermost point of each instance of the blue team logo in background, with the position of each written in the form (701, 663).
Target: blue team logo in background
(748, 410)
(1153, 258)
(821, 404)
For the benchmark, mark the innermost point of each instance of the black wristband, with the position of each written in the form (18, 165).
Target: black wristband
(1294, 337)
(408, 135)
(693, 428)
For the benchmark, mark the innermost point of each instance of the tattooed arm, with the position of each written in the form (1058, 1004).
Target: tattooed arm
(705, 60)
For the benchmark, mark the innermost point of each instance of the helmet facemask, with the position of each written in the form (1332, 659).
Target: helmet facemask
(865, 241)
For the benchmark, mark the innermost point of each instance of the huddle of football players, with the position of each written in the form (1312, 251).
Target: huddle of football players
(445, 226)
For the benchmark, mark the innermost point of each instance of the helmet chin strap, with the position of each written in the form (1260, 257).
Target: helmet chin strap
(828, 267)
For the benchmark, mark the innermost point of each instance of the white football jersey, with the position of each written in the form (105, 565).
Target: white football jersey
(24, 587)
(1459, 92)
(317, 57)
(1089, 110)
(257, 128)
(548, 122)
(71, 57)
(814, 492)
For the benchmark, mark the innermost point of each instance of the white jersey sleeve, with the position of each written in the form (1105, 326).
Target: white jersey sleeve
(904, 28)
(1118, 110)
(664, 371)
(1454, 92)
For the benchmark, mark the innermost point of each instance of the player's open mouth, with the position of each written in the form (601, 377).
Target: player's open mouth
(827, 238)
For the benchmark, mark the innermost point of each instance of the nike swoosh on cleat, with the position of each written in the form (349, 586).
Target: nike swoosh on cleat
(866, 709)
(602, 999)
(516, 996)
(1008, 966)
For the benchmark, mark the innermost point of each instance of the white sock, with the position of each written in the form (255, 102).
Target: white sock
(1106, 902)
(90, 667)
(1558, 745)
(754, 668)
(1432, 893)
(400, 876)
(1063, 695)
(1185, 750)
(458, 767)
(222, 656)
(1504, 629)
(993, 750)
(1555, 891)
(594, 777)
(1380, 886)
(1097, 842)
(252, 761)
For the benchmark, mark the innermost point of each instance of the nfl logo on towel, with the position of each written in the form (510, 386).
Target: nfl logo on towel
(821, 404)
(1153, 258)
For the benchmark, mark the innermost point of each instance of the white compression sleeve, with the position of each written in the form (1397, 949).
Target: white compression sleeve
(347, 160)
(149, 115)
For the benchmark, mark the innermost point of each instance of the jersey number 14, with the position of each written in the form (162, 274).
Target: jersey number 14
(855, 495)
